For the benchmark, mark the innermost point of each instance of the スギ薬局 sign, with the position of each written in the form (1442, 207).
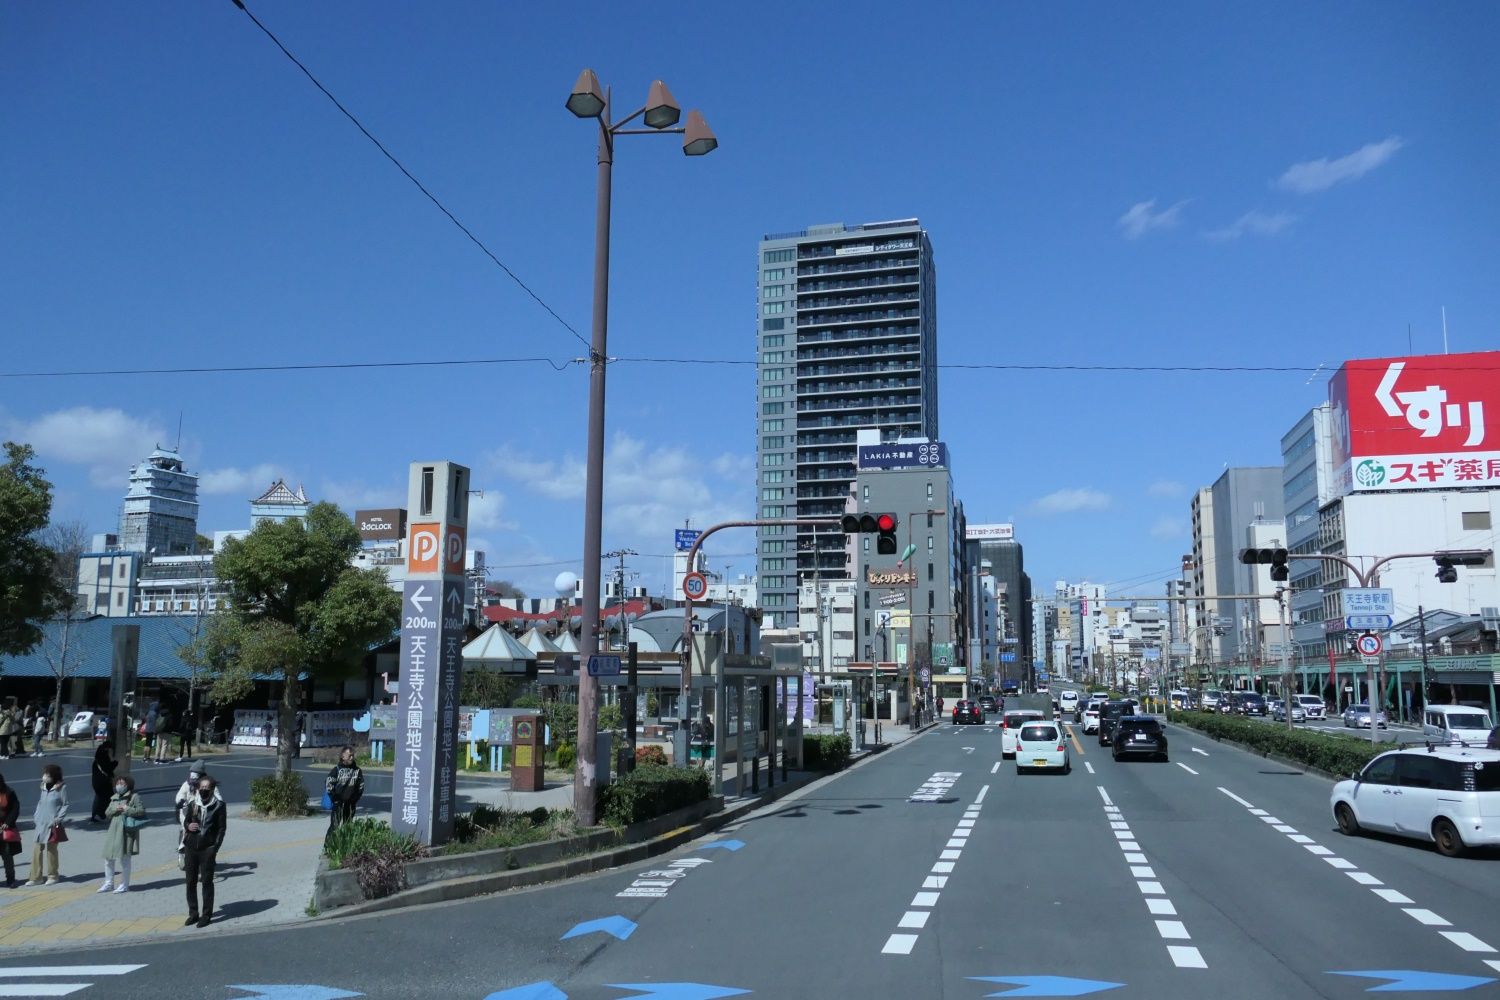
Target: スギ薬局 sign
(1430, 422)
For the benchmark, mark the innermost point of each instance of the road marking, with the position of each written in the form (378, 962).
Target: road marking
(925, 899)
(994, 768)
(1196, 750)
(899, 944)
(936, 787)
(1340, 863)
(1117, 825)
(982, 793)
(1466, 941)
(1105, 795)
(1076, 745)
(1186, 768)
(968, 749)
(1392, 896)
(942, 867)
(1283, 828)
(1089, 766)
(1317, 849)
(1161, 907)
(1186, 957)
(1151, 889)
(1493, 963)
(1299, 838)
(965, 823)
(1365, 878)
(1173, 930)
(1258, 812)
(1123, 834)
(1129, 845)
(42, 971)
(1135, 859)
(935, 882)
(961, 834)
(955, 842)
(1235, 797)
(1142, 871)
(914, 919)
(1427, 917)
(951, 855)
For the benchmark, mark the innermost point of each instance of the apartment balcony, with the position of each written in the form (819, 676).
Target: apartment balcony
(878, 368)
(846, 284)
(845, 388)
(871, 403)
(844, 319)
(913, 348)
(808, 303)
(910, 420)
(854, 265)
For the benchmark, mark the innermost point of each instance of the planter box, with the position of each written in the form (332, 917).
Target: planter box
(336, 887)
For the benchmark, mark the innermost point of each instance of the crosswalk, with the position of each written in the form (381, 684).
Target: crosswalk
(70, 976)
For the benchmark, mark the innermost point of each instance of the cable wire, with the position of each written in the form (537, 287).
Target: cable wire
(307, 367)
(409, 175)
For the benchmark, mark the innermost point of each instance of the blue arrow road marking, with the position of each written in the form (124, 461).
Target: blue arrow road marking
(678, 991)
(617, 925)
(531, 991)
(728, 845)
(288, 992)
(1047, 986)
(1416, 981)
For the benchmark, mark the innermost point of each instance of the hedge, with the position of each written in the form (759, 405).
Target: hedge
(651, 791)
(826, 752)
(1338, 755)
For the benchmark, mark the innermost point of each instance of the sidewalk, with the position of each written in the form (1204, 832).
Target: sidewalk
(264, 876)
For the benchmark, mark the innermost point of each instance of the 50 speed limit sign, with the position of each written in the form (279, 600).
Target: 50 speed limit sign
(694, 586)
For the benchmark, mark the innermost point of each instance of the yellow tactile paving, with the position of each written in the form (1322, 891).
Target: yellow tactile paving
(20, 937)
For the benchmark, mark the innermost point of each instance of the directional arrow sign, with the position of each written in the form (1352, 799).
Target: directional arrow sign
(1414, 981)
(307, 992)
(678, 991)
(617, 926)
(419, 598)
(531, 991)
(1048, 986)
(728, 845)
(454, 600)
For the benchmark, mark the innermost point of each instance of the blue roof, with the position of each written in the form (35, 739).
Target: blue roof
(90, 648)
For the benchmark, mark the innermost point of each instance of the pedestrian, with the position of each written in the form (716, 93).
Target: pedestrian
(103, 780)
(28, 723)
(265, 731)
(122, 841)
(51, 812)
(163, 734)
(344, 785)
(9, 723)
(186, 793)
(185, 734)
(297, 735)
(39, 730)
(204, 823)
(10, 831)
(148, 729)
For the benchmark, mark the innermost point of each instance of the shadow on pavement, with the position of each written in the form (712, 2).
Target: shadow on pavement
(244, 908)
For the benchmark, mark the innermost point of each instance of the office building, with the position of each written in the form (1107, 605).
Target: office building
(846, 340)
(1307, 484)
(1222, 515)
(996, 545)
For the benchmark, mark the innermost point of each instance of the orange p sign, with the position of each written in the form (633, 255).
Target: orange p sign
(422, 546)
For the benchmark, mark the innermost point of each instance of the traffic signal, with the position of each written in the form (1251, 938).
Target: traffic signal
(1467, 557)
(884, 524)
(1275, 558)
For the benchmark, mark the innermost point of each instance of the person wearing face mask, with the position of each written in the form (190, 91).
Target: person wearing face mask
(10, 831)
(204, 823)
(103, 780)
(122, 841)
(51, 811)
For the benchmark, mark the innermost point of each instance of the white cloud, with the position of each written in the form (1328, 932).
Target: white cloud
(1320, 175)
(732, 466)
(1166, 488)
(485, 514)
(1253, 223)
(108, 441)
(1070, 500)
(251, 482)
(1142, 217)
(1168, 527)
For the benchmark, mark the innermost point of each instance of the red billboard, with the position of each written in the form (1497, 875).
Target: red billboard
(1430, 422)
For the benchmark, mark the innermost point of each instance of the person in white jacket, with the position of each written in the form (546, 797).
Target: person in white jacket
(189, 791)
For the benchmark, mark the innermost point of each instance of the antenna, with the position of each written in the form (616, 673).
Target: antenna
(1445, 328)
(178, 448)
(1408, 339)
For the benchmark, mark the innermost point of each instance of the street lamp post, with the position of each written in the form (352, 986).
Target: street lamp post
(660, 114)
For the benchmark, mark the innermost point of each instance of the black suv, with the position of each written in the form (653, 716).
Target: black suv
(1138, 734)
(1249, 703)
(987, 703)
(967, 711)
(1109, 713)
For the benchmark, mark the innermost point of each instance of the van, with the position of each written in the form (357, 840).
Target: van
(1447, 795)
(1456, 724)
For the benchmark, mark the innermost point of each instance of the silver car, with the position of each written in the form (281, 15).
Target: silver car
(1278, 712)
(1358, 717)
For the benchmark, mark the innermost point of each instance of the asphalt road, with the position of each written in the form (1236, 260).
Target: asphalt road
(914, 875)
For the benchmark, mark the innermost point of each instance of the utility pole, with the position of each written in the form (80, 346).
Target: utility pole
(1283, 600)
(1426, 668)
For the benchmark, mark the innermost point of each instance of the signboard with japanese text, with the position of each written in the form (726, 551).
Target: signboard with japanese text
(1417, 423)
(990, 532)
(1367, 601)
(903, 455)
(683, 539)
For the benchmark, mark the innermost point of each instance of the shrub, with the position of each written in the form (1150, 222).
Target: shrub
(488, 827)
(283, 795)
(381, 869)
(826, 752)
(651, 791)
(1337, 755)
(567, 756)
(651, 756)
(358, 836)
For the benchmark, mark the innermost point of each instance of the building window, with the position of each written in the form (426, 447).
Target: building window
(772, 374)
(120, 570)
(772, 546)
(773, 291)
(929, 493)
(771, 493)
(773, 391)
(772, 308)
(867, 492)
(769, 564)
(867, 608)
(773, 441)
(773, 460)
(929, 543)
(1476, 520)
(931, 600)
(773, 274)
(771, 512)
(774, 324)
(772, 425)
(866, 543)
(929, 571)
(773, 408)
(120, 599)
(778, 256)
(772, 358)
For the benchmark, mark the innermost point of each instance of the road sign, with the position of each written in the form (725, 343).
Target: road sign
(694, 586)
(683, 538)
(924, 675)
(1370, 644)
(604, 666)
(1357, 622)
(1368, 601)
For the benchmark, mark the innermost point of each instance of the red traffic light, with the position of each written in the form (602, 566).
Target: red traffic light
(886, 522)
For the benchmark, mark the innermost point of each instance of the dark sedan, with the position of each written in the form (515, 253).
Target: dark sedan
(1250, 703)
(967, 712)
(1138, 735)
(1109, 713)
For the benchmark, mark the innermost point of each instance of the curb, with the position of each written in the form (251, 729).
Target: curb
(1276, 758)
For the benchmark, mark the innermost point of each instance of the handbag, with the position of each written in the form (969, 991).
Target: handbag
(10, 835)
(57, 835)
(327, 802)
(134, 822)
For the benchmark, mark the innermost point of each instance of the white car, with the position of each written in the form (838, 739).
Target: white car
(1010, 728)
(83, 723)
(1211, 700)
(1312, 706)
(1091, 717)
(1456, 724)
(1041, 745)
(1068, 702)
(1448, 795)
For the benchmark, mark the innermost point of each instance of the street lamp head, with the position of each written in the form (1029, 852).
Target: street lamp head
(698, 138)
(587, 99)
(662, 110)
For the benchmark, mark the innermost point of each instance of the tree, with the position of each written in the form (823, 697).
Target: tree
(26, 593)
(488, 689)
(297, 611)
(65, 542)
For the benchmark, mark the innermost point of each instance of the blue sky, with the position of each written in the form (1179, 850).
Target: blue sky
(1108, 185)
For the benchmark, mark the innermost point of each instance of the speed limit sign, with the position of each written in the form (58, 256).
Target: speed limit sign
(694, 586)
(1370, 644)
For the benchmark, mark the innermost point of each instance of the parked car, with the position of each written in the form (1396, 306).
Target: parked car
(1010, 728)
(1358, 717)
(1211, 700)
(1456, 724)
(987, 703)
(1041, 745)
(1111, 711)
(1312, 705)
(1138, 735)
(1447, 795)
(1248, 703)
(1091, 717)
(1299, 714)
(967, 712)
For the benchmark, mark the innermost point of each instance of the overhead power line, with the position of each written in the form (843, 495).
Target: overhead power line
(408, 174)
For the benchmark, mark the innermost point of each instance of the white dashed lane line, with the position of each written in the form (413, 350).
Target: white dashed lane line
(1468, 942)
(920, 911)
(1184, 956)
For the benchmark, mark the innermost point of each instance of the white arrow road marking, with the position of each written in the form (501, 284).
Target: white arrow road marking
(968, 749)
(1196, 750)
(419, 598)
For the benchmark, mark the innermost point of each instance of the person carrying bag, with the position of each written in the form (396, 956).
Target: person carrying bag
(10, 833)
(122, 841)
(51, 811)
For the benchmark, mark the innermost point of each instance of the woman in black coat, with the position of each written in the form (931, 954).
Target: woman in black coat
(10, 816)
(103, 779)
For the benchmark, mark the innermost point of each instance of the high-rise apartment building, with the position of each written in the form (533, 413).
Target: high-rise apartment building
(1222, 516)
(847, 339)
(160, 512)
